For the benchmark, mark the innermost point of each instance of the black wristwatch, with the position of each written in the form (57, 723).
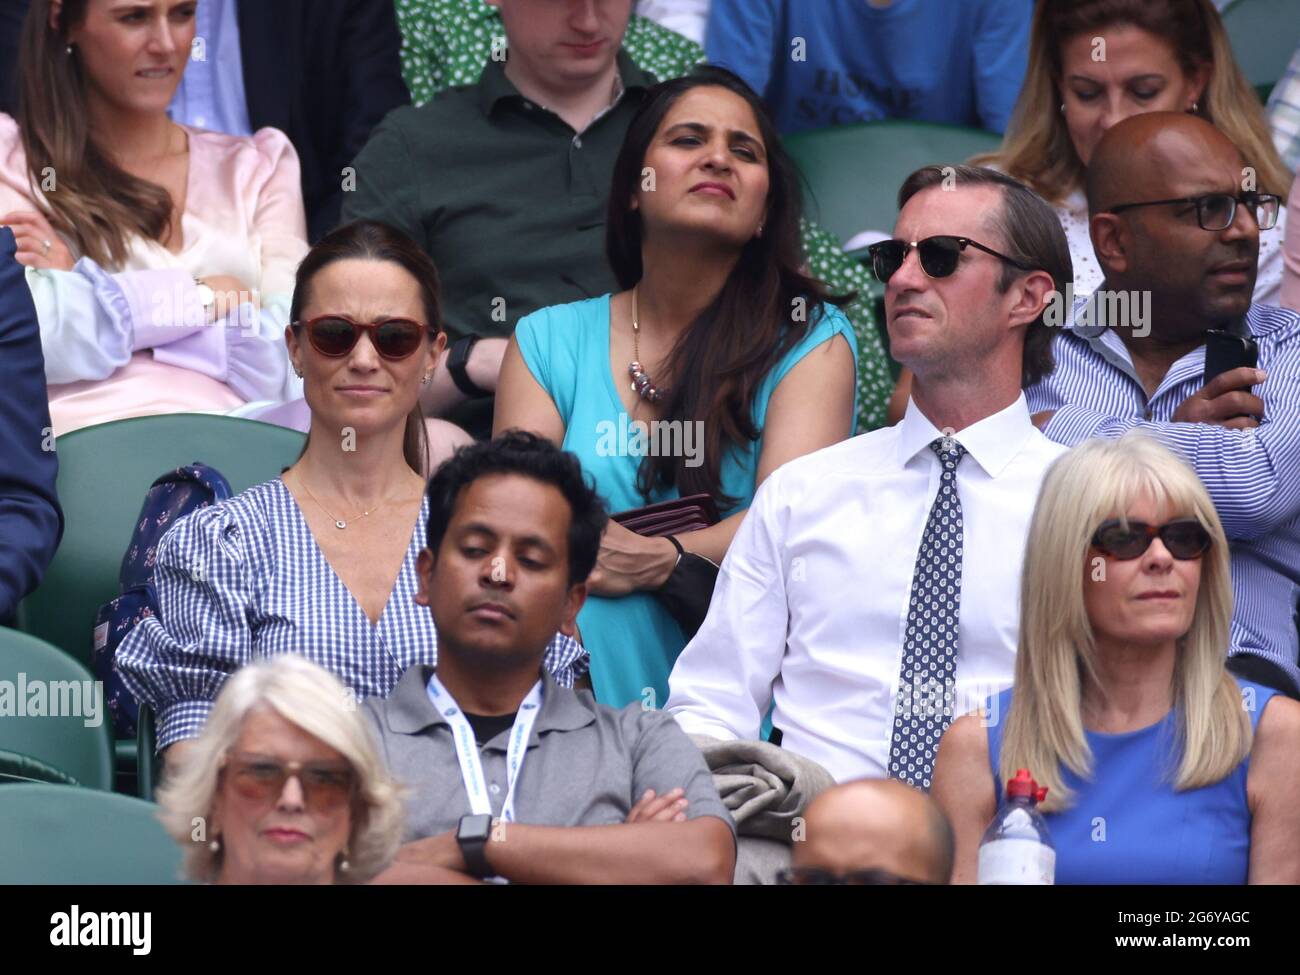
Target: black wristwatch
(457, 360)
(472, 834)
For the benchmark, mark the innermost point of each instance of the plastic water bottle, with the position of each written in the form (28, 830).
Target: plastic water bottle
(1017, 848)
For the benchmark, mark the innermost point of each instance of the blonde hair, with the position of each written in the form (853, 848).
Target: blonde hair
(1057, 651)
(313, 699)
(1037, 148)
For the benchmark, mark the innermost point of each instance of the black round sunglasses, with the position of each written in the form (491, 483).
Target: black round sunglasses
(939, 255)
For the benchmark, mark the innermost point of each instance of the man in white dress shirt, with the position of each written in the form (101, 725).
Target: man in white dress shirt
(872, 592)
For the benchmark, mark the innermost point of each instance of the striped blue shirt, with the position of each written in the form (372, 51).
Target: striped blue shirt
(1253, 476)
(244, 579)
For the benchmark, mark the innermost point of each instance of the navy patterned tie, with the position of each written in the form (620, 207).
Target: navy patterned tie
(923, 708)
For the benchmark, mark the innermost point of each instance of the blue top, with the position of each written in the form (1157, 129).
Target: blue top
(1129, 826)
(956, 61)
(211, 93)
(245, 578)
(633, 641)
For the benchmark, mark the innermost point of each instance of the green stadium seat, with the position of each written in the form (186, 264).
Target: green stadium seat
(853, 172)
(104, 472)
(60, 747)
(62, 834)
(1264, 36)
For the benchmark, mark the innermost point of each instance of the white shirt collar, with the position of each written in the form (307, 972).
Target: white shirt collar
(993, 441)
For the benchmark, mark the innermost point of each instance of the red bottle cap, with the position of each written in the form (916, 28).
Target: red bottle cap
(1023, 786)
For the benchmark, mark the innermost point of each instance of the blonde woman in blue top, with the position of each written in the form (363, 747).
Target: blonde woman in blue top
(1161, 766)
(719, 332)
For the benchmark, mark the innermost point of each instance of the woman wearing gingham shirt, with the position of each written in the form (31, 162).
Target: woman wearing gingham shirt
(305, 563)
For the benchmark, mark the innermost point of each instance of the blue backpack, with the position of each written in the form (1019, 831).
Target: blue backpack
(169, 499)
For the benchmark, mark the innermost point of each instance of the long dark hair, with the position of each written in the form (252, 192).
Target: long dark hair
(720, 359)
(370, 240)
(98, 206)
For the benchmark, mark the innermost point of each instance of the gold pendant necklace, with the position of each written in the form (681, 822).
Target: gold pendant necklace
(339, 523)
(642, 384)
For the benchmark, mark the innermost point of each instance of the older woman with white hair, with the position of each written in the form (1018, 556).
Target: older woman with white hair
(1161, 766)
(285, 785)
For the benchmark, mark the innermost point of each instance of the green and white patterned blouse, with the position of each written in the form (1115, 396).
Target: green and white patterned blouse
(447, 43)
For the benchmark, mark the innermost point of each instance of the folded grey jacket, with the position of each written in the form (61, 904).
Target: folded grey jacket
(763, 785)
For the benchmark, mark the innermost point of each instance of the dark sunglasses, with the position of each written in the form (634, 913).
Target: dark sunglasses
(337, 335)
(260, 778)
(1216, 211)
(939, 255)
(817, 877)
(1186, 539)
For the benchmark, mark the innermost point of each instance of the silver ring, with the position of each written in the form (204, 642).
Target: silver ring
(48, 245)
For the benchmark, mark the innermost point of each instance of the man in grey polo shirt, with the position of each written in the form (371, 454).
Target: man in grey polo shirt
(511, 775)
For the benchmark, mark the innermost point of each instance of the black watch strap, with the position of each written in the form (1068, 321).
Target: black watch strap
(472, 834)
(457, 361)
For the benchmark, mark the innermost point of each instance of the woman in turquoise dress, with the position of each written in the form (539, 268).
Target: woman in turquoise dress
(1161, 766)
(721, 360)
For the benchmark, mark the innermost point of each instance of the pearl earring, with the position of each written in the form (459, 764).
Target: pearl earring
(215, 846)
(1062, 108)
(344, 865)
(1195, 107)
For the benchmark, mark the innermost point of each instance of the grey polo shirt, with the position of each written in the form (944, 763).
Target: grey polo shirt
(586, 763)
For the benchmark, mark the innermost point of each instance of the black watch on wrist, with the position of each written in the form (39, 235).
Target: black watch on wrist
(457, 360)
(472, 834)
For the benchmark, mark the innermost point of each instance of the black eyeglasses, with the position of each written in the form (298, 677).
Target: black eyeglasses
(1185, 539)
(939, 255)
(1216, 211)
(817, 877)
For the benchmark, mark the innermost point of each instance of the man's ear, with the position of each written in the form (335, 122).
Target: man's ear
(1033, 292)
(573, 600)
(1110, 242)
(424, 566)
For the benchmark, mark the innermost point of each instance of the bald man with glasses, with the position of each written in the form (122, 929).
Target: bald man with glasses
(1175, 222)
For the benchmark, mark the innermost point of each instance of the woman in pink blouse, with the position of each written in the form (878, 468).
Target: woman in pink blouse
(161, 257)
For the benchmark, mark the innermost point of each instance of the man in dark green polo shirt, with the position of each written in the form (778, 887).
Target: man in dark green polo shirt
(504, 183)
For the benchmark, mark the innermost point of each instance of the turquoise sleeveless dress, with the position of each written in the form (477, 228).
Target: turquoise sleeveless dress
(1129, 826)
(633, 641)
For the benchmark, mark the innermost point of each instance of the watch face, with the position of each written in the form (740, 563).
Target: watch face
(474, 827)
(207, 297)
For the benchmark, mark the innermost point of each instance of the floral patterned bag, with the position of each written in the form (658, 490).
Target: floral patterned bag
(170, 498)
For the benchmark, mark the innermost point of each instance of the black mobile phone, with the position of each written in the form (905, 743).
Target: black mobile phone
(1225, 351)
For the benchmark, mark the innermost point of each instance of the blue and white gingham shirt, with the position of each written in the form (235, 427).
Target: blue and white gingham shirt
(1253, 476)
(245, 579)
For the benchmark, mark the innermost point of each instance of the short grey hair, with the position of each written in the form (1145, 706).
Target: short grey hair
(314, 700)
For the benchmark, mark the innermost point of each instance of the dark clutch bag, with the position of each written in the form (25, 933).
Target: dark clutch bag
(688, 514)
(689, 588)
